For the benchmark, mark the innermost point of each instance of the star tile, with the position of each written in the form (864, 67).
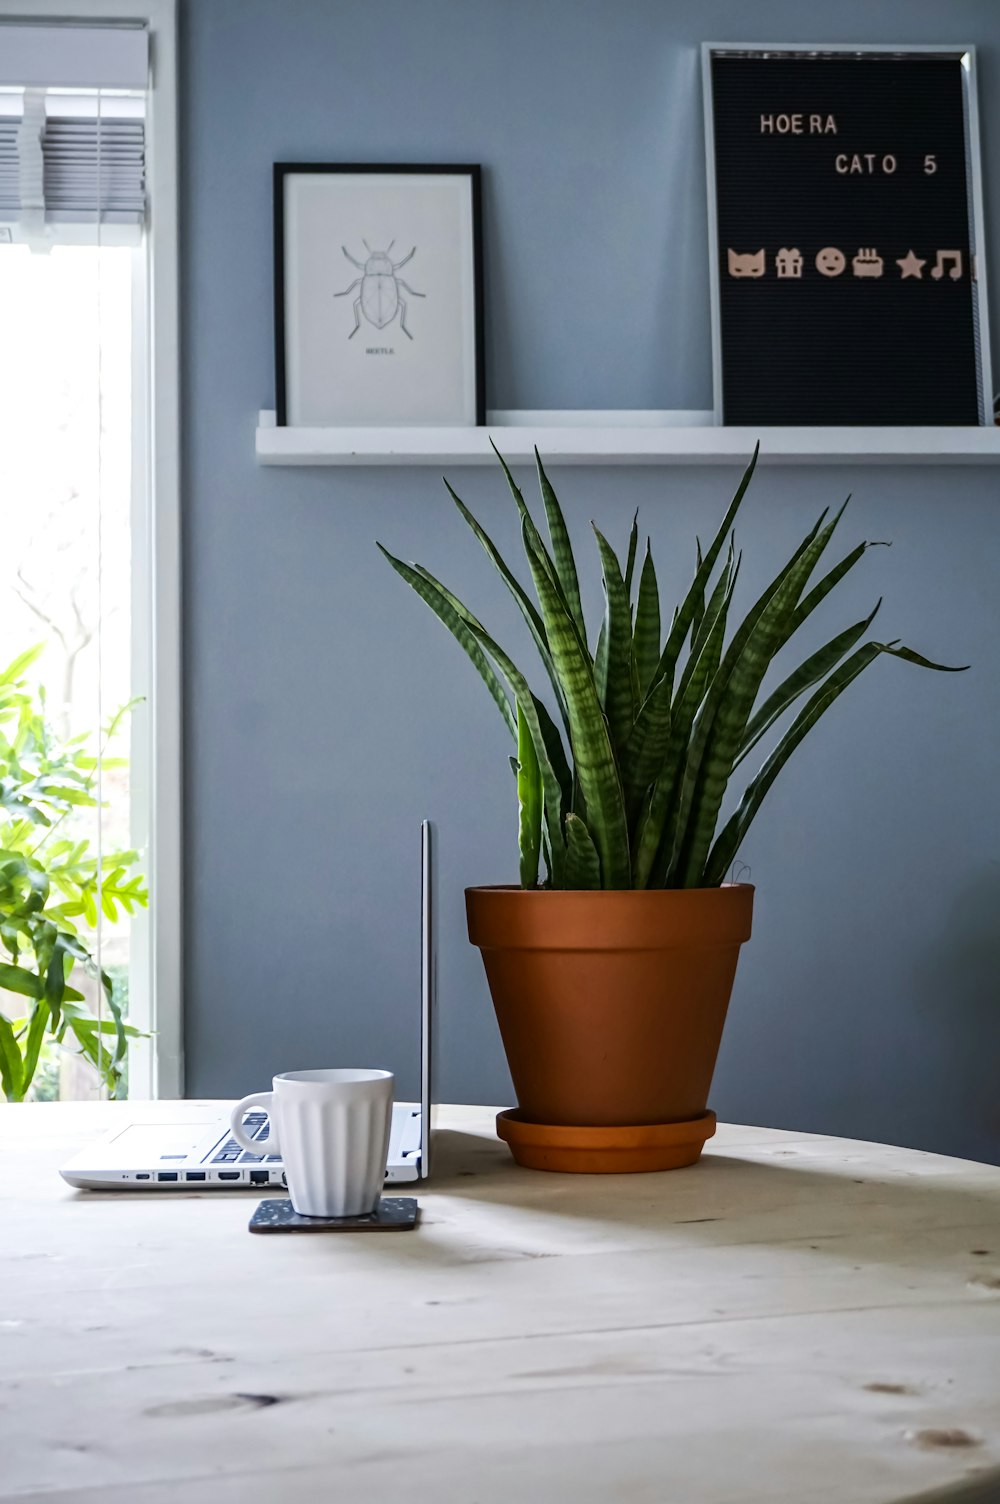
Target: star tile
(911, 265)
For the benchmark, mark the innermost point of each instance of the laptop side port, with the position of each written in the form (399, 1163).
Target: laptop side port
(194, 1174)
(259, 1177)
(229, 1175)
(166, 1174)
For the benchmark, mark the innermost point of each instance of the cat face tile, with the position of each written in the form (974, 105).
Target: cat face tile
(750, 264)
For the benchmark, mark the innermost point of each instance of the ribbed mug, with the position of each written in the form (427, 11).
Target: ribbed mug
(331, 1128)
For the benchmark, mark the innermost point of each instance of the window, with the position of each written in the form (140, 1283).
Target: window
(89, 735)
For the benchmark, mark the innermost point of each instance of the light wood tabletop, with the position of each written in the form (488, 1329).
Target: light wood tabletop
(795, 1319)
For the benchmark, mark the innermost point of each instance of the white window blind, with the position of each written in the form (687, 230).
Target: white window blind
(72, 127)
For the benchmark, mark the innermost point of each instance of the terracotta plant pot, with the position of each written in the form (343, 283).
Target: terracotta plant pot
(611, 1007)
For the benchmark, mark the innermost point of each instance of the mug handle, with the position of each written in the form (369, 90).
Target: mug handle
(256, 1099)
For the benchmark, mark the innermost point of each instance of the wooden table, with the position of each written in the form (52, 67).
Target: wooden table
(795, 1319)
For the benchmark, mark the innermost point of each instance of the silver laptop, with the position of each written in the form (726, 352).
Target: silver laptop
(173, 1156)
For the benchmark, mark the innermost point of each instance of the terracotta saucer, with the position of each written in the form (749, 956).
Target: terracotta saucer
(604, 1151)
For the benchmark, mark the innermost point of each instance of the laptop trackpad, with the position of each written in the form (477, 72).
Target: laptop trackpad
(142, 1143)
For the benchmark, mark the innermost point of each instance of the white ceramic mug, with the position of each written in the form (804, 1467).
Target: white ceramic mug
(331, 1128)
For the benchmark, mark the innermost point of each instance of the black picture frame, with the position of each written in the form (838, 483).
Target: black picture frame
(282, 171)
(843, 181)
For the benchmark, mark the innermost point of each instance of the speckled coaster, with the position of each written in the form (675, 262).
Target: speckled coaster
(393, 1214)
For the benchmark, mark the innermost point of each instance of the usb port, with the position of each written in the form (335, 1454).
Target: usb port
(229, 1174)
(259, 1177)
(194, 1174)
(166, 1174)
(142, 1175)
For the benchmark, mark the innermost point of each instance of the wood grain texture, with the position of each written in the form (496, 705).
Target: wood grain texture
(796, 1318)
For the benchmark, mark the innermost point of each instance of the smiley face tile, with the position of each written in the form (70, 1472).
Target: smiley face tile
(830, 261)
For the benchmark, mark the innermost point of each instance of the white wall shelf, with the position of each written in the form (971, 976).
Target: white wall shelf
(621, 438)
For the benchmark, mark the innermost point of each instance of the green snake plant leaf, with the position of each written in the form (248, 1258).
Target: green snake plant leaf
(699, 602)
(601, 656)
(513, 487)
(562, 549)
(698, 662)
(685, 614)
(593, 755)
(529, 802)
(815, 668)
(450, 610)
(555, 751)
(614, 678)
(701, 731)
(909, 656)
(433, 594)
(643, 754)
(466, 618)
(817, 595)
(654, 753)
(728, 842)
(646, 636)
(731, 837)
(550, 732)
(11, 1069)
(583, 865)
(522, 507)
(732, 708)
(547, 854)
(459, 607)
(807, 605)
(524, 603)
(552, 790)
(633, 668)
(660, 820)
(633, 544)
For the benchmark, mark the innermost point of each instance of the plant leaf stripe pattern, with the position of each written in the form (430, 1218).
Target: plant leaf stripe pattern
(593, 755)
(529, 799)
(625, 788)
(616, 690)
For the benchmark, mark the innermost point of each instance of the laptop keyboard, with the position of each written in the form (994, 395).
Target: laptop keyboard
(255, 1125)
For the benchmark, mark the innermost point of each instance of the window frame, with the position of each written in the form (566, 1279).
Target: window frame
(157, 1071)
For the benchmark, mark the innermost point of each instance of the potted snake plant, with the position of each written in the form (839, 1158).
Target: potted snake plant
(611, 965)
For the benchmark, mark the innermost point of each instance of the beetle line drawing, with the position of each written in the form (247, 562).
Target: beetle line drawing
(380, 298)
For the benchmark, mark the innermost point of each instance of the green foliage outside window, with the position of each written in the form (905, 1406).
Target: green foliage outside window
(52, 883)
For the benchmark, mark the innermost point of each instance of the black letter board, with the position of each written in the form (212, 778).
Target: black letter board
(846, 200)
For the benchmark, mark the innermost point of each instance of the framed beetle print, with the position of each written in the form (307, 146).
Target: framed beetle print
(378, 295)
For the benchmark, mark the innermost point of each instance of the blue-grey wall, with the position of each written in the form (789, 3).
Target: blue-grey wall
(326, 712)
